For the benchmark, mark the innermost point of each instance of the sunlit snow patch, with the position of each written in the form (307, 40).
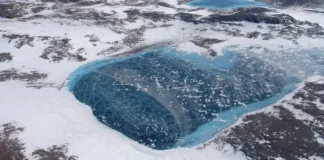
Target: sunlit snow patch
(165, 98)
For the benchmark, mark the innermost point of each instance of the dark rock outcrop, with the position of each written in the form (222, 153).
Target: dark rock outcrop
(5, 57)
(157, 16)
(62, 1)
(55, 152)
(305, 3)
(251, 17)
(20, 40)
(14, 74)
(205, 42)
(12, 10)
(163, 4)
(285, 134)
(187, 17)
(17, 9)
(12, 148)
(60, 49)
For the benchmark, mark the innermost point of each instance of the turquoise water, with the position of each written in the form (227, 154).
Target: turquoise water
(227, 118)
(163, 98)
(228, 4)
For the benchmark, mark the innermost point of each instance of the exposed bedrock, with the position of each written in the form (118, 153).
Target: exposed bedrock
(252, 17)
(12, 10)
(62, 1)
(13, 148)
(14, 74)
(292, 131)
(5, 57)
(18, 9)
(305, 3)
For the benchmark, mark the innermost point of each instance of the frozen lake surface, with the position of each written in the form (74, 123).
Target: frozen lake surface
(164, 98)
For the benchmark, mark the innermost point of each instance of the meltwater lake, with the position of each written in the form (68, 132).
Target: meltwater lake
(164, 98)
(228, 4)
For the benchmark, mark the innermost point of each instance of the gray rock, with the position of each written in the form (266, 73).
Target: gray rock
(264, 136)
(5, 57)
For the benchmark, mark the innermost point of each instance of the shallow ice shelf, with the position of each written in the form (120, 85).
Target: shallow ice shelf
(228, 4)
(165, 99)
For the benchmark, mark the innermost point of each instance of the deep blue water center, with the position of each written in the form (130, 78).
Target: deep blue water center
(228, 4)
(164, 99)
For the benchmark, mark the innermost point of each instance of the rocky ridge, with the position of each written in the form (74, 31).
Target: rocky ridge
(291, 129)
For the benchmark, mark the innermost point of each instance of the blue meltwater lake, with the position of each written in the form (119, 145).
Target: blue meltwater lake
(228, 4)
(164, 98)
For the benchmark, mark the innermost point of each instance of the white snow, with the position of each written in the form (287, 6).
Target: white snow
(301, 14)
(191, 48)
(51, 116)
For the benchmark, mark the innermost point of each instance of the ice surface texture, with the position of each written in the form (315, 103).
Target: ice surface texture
(158, 97)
